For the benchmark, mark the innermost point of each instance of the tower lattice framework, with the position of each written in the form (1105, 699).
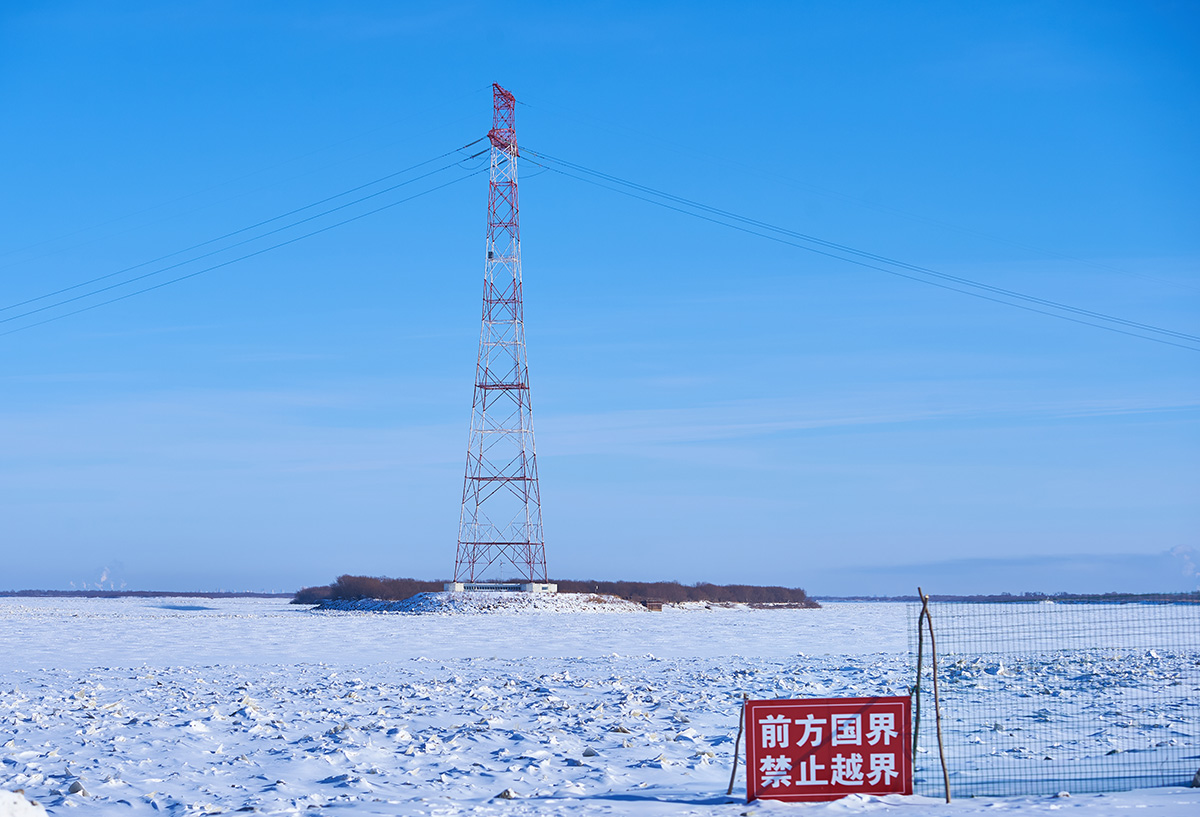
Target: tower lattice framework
(501, 520)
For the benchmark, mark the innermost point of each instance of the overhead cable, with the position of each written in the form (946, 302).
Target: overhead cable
(292, 240)
(831, 249)
(226, 248)
(262, 223)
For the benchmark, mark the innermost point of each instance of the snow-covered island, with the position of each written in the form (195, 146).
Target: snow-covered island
(484, 602)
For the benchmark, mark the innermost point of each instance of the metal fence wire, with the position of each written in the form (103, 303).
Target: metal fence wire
(1045, 697)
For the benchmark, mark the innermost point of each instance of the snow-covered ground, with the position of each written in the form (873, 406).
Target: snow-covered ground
(199, 706)
(489, 602)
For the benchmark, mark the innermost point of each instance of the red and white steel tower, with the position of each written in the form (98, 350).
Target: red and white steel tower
(501, 520)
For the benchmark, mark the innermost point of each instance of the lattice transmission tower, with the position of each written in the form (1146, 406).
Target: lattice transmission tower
(501, 520)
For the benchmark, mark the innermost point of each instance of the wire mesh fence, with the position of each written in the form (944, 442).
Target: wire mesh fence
(1043, 697)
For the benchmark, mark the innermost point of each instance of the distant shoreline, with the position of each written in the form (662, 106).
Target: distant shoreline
(999, 598)
(139, 594)
(1033, 598)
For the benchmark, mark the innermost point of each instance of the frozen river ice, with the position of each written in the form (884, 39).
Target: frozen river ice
(205, 706)
(83, 633)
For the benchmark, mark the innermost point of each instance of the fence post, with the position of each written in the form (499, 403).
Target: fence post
(937, 704)
(738, 742)
(916, 690)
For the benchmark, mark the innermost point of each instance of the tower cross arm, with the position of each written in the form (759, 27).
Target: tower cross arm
(503, 134)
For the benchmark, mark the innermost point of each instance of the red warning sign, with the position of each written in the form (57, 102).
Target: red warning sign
(826, 748)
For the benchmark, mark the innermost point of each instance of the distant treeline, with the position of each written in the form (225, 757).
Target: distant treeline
(144, 594)
(676, 592)
(352, 588)
(1058, 598)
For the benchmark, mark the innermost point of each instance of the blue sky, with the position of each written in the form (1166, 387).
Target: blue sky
(709, 406)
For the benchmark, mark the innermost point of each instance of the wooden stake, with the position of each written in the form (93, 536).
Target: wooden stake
(917, 687)
(737, 743)
(937, 704)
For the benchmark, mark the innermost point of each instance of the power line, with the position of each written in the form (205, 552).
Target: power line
(243, 257)
(873, 256)
(143, 276)
(251, 227)
(670, 201)
(832, 249)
